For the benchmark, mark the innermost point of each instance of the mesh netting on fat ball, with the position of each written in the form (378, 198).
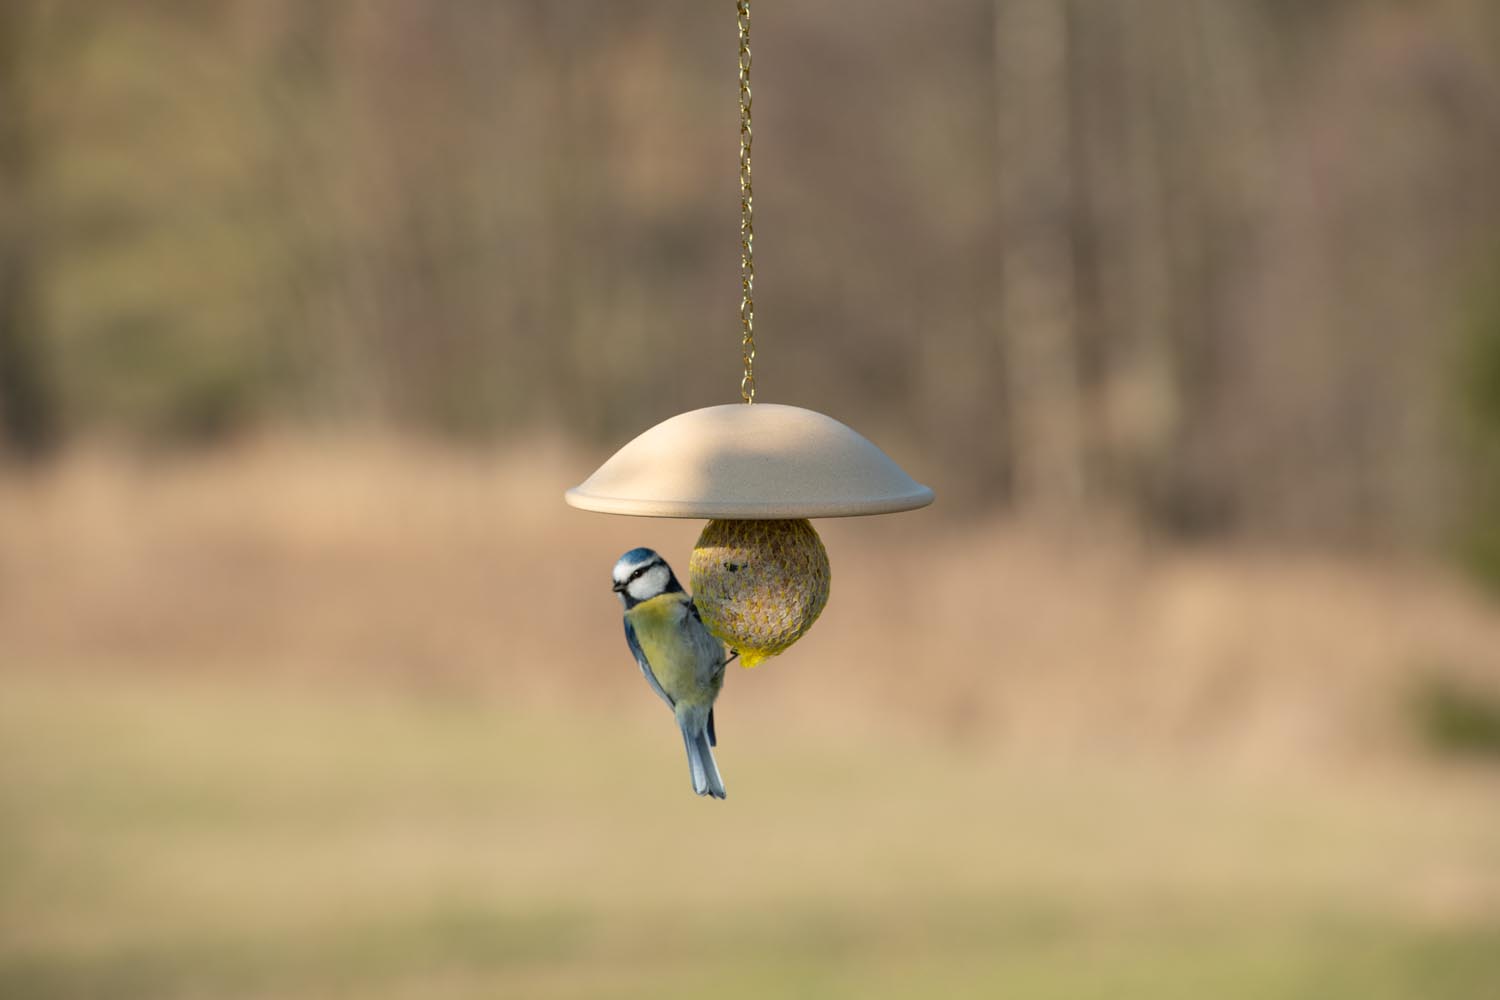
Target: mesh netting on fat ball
(759, 585)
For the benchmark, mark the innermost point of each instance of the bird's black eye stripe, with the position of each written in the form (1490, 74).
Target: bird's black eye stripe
(643, 569)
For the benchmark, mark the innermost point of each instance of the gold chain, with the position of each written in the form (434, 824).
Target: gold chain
(747, 212)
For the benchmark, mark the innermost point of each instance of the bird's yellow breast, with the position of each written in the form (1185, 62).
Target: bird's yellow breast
(658, 629)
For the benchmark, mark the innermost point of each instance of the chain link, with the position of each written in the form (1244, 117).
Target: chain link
(747, 212)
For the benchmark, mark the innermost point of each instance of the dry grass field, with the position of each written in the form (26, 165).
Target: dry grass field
(356, 720)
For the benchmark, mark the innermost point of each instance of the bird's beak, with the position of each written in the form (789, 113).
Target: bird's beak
(618, 588)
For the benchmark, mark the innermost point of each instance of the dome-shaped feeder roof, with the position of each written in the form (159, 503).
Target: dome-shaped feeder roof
(753, 462)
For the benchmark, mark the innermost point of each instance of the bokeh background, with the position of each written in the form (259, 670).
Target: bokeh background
(1187, 686)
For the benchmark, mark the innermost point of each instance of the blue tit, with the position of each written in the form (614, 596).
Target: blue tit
(681, 660)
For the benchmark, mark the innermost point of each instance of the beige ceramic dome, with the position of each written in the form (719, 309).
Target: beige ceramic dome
(761, 461)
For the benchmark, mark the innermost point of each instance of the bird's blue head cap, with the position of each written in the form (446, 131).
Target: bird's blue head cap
(641, 574)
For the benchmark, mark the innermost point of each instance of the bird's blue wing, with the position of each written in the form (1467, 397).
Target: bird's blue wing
(709, 650)
(640, 657)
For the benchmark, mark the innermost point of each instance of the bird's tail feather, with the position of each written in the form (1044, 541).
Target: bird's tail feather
(701, 763)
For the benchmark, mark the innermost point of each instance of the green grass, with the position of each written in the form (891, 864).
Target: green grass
(169, 839)
(1456, 719)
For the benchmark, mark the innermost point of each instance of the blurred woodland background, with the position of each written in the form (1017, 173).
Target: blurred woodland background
(1189, 685)
(1231, 267)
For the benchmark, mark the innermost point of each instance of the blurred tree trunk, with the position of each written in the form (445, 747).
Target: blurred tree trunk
(1125, 305)
(296, 66)
(1192, 122)
(1211, 144)
(1176, 359)
(28, 414)
(1036, 261)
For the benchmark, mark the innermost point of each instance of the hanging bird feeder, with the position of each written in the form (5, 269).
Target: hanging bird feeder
(759, 573)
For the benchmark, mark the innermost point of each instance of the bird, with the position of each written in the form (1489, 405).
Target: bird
(680, 658)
